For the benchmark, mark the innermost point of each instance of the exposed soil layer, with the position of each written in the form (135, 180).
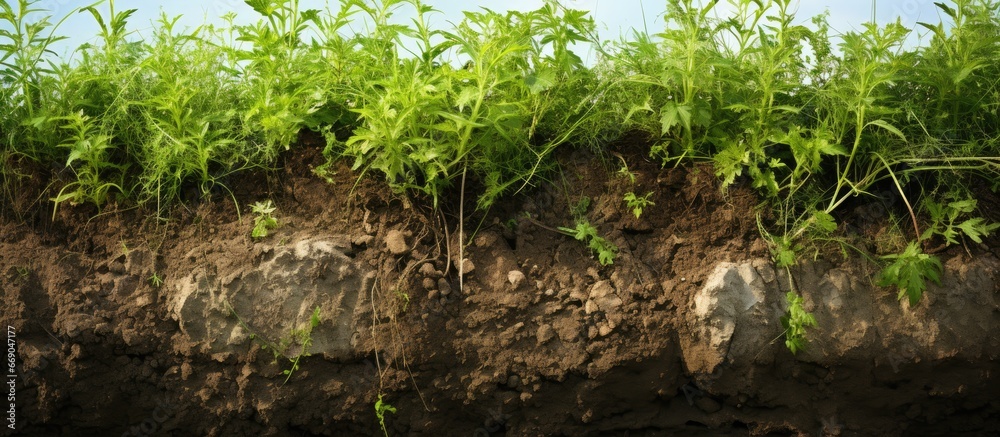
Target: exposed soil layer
(131, 325)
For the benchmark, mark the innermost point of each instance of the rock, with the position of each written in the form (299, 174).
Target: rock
(575, 294)
(601, 289)
(274, 296)
(362, 240)
(429, 284)
(428, 270)
(545, 333)
(395, 241)
(237, 336)
(733, 295)
(466, 267)
(513, 381)
(602, 298)
(604, 330)
(444, 287)
(707, 404)
(515, 277)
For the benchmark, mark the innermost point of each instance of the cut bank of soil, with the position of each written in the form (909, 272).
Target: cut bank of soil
(537, 338)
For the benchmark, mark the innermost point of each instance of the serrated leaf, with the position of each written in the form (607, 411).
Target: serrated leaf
(824, 221)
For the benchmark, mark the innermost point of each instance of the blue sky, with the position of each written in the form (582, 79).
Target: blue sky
(615, 17)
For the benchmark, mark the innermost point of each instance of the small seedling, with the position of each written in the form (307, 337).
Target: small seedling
(155, 280)
(23, 271)
(624, 172)
(304, 337)
(403, 297)
(638, 203)
(795, 322)
(301, 336)
(263, 222)
(910, 271)
(579, 209)
(584, 231)
(380, 409)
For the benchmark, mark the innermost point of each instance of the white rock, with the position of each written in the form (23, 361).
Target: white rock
(515, 277)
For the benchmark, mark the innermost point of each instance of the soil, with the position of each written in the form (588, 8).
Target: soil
(129, 324)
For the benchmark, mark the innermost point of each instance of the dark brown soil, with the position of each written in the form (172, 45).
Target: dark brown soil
(525, 344)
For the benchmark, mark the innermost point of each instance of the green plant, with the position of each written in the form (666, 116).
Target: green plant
(795, 321)
(403, 297)
(950, 220)
(579, 209)
(638, 203)
(155, 280)
(624, 172)
(303, 337)
(910, 271)
(263, 222)
(88, 158)
(381, 408)
(298, 340)
(587, 233)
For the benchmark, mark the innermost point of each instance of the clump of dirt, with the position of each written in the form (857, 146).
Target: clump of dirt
(129, 325)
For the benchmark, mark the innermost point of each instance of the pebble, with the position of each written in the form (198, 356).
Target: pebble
(468, 266)
(515, 277)
(395, 241)
(444, 286)
(362, 240)
(427, 269)
(429, 284)
(707, 404)
(545, 333)
(604, 330)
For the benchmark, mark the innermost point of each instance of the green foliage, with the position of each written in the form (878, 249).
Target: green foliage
(638, 203)
(293, 347)
(381, 408)
(579, 209)
(263, 222)
(951, 220)
(303, 338)
(587, 233)
(795, 321)
(88, 159)
(910, 271)
(423, 124)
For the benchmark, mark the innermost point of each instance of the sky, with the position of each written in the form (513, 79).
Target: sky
(614, 17)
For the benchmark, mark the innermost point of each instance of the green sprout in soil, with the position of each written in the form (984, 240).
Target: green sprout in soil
(638, 203)
(302, 337)
(381, 408)
(155, 280)
(587, 233)
(263, 222)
